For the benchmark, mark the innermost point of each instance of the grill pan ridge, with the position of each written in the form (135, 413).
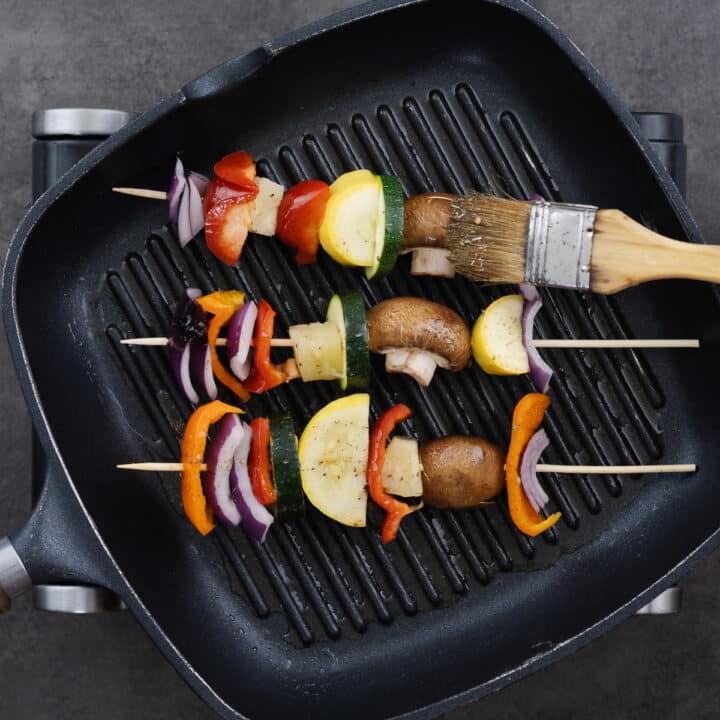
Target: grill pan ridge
(320, 605)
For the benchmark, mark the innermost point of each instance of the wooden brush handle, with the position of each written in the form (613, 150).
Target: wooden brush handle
(625, 253)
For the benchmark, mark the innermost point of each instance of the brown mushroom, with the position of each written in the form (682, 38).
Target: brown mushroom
(426, 220)
(417, 335)
(461, 472)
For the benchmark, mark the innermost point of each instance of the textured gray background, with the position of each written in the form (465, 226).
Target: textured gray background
(657, 54)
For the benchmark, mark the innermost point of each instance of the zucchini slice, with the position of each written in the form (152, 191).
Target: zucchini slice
(333, 455)
(286, 467)
(347, 312)
(389, 228)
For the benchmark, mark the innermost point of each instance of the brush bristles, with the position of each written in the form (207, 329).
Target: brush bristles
(487, 238)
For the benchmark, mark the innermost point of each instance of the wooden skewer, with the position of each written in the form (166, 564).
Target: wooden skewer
(161, 341)
(563, 469)
(573, 343)
(570, 343)
(142, 192)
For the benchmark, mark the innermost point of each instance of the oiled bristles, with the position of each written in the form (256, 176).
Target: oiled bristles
(487, 238)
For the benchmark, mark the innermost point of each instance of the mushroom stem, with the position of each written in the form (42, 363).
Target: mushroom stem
(418, 364)
(432, 261)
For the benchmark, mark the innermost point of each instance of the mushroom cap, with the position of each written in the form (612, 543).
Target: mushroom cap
(408, 322)
(460, 471)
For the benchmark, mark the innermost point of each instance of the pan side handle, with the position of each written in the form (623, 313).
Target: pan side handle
(226, 77)
(57, 546)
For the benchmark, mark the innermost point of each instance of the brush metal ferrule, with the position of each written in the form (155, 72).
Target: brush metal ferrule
(560, 245)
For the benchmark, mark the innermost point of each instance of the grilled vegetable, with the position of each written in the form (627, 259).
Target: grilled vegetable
(389, 227)
(540, 372)
(347, 313)
(228, 211)
(333, 453)
(192, 451)
(528, 476)
(264, 375)
(220, 458)
(239, 338)
(416, 336)
(497, 342)
(223, 305)
(188, 326)
(299, 217)
(259, 462)
(185, 205)
(319, 351)
(201, 369)
(348, 230)
(426, 219)
(286, 467)
(263, 221)
(238, 169)
(394, 509)
(528, 414)
(402, 472)
(460, 472)
(256, 520)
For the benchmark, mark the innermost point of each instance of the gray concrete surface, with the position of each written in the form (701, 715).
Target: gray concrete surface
(657, 54)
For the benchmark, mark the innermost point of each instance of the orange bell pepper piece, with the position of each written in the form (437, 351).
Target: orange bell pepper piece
(198, 512)
(395, 509)
(222, 304)
(528, 414)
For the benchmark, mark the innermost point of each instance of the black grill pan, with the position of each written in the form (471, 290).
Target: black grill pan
(323, 621)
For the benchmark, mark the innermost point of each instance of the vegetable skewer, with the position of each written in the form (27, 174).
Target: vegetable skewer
(338, 461)
(415, 335)
(540, 467)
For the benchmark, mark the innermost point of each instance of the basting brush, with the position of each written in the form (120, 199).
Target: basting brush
(580, 247)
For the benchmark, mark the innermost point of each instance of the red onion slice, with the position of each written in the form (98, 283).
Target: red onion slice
(199, 181)
(239, 337)
(196, 214)
(175, 191)
(256, 520)
(184, 228)
(180, 362)
(540, 372)
(528, 476)
(220, 459)
(201, 368)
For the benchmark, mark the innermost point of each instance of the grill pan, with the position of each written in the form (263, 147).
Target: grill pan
(323, 620)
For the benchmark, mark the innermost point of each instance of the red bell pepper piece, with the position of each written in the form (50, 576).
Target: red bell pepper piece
(395, 509)
(264, 375)
(198, 512)
(238, 169)
(259, 462)
(300, 215)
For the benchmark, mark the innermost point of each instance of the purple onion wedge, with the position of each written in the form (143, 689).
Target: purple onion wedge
(198, 180)
(220, 459)
(239, 338)
(176, 190)
(180, 362)
(201, 370)
(185, 204)
(540, 372)
(256, 519)
(528, 476)
(188, 324)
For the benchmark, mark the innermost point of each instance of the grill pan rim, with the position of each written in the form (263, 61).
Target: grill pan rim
(35, 214)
